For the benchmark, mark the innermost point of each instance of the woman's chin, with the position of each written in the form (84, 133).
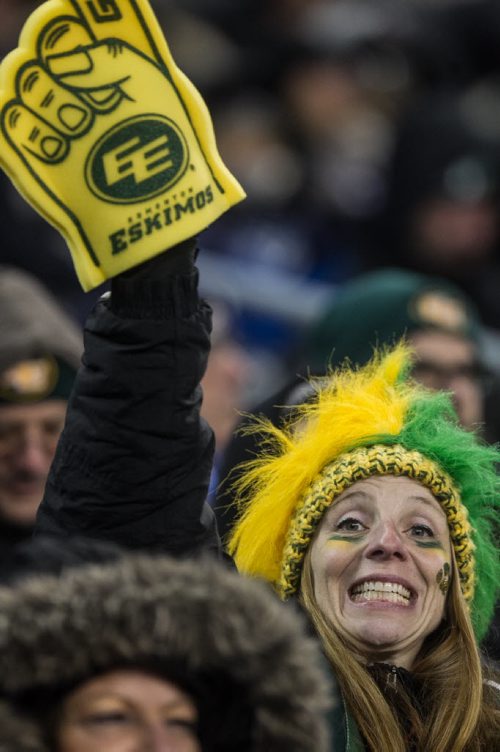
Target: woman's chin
(383, 634)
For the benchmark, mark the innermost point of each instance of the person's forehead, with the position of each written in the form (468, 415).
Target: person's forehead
(393, 487)
(133, 685)
(19, 414)
(442, 347)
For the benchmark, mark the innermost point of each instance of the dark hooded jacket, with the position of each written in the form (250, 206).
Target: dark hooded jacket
(244, 658)
(133, 464)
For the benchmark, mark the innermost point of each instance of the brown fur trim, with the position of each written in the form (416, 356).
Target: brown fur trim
(18, 734)
(55, 631)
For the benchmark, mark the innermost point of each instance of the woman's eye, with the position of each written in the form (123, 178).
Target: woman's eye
(181, 723)
(421, 531)
(103, 719)
(350, 525)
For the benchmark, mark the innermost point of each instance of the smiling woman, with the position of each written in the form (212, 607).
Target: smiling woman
(379, 512)
(376, 560)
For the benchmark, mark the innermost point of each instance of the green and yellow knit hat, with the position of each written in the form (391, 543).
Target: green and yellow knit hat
(363, 422)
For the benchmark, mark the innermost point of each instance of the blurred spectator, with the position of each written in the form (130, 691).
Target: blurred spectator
(442, 212)
(156, 654)
(226, 378)
(228, 374)
(375, 309)
(441, 324)
(311, 135)
(40, 350)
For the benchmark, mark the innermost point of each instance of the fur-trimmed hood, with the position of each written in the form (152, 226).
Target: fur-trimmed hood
(141, 610)
(16, 733)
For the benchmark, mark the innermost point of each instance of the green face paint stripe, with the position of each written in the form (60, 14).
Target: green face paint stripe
(421, 544)
(345, 538)
(429, 544)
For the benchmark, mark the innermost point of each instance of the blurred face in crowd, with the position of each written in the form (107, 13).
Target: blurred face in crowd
(128, 711)
(381, 564)
(452, 234)
(226, 377)
(449, 362)
(28, 439)
(223, 386)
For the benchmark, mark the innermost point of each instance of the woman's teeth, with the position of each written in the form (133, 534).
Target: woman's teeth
(392, 592)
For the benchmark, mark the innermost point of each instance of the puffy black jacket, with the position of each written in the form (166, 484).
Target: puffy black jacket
(133, 463)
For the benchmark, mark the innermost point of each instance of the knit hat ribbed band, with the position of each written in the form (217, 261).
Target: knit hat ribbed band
(360, 464)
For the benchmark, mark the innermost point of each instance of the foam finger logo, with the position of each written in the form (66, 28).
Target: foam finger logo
(105, 136)
(137, 160)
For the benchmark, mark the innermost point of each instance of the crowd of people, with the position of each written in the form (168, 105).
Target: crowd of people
(326, 576)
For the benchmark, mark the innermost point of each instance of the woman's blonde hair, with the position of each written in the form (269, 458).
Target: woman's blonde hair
(459, 713)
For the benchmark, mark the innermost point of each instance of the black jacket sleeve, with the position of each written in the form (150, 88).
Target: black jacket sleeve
(133, 462)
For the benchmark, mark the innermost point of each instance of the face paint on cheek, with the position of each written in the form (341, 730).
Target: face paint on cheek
(443, 578)
(430, 544)
(336, 539)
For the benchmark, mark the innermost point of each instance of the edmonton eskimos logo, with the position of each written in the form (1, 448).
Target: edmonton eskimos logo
(137, 159)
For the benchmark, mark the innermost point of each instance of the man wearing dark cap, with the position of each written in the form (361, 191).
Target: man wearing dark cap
(440, 322)
(40, 350)
(373, 309)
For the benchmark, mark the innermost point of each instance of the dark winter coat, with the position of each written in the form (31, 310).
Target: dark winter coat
(134, 461)
(17, 734)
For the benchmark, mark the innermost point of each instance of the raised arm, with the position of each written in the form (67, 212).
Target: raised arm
(134, 460)
(110, 142)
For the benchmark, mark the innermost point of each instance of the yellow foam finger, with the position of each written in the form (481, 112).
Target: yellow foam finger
(58, 106)
(105, 136)
(63, 33)
(33, 136)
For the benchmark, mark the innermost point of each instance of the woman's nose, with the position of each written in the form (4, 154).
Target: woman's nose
(386, 543)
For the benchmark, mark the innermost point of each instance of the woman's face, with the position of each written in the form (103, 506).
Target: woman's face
(128, 711)
(381, 563)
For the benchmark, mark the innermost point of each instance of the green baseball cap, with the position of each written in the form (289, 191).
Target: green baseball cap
(379, 308)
